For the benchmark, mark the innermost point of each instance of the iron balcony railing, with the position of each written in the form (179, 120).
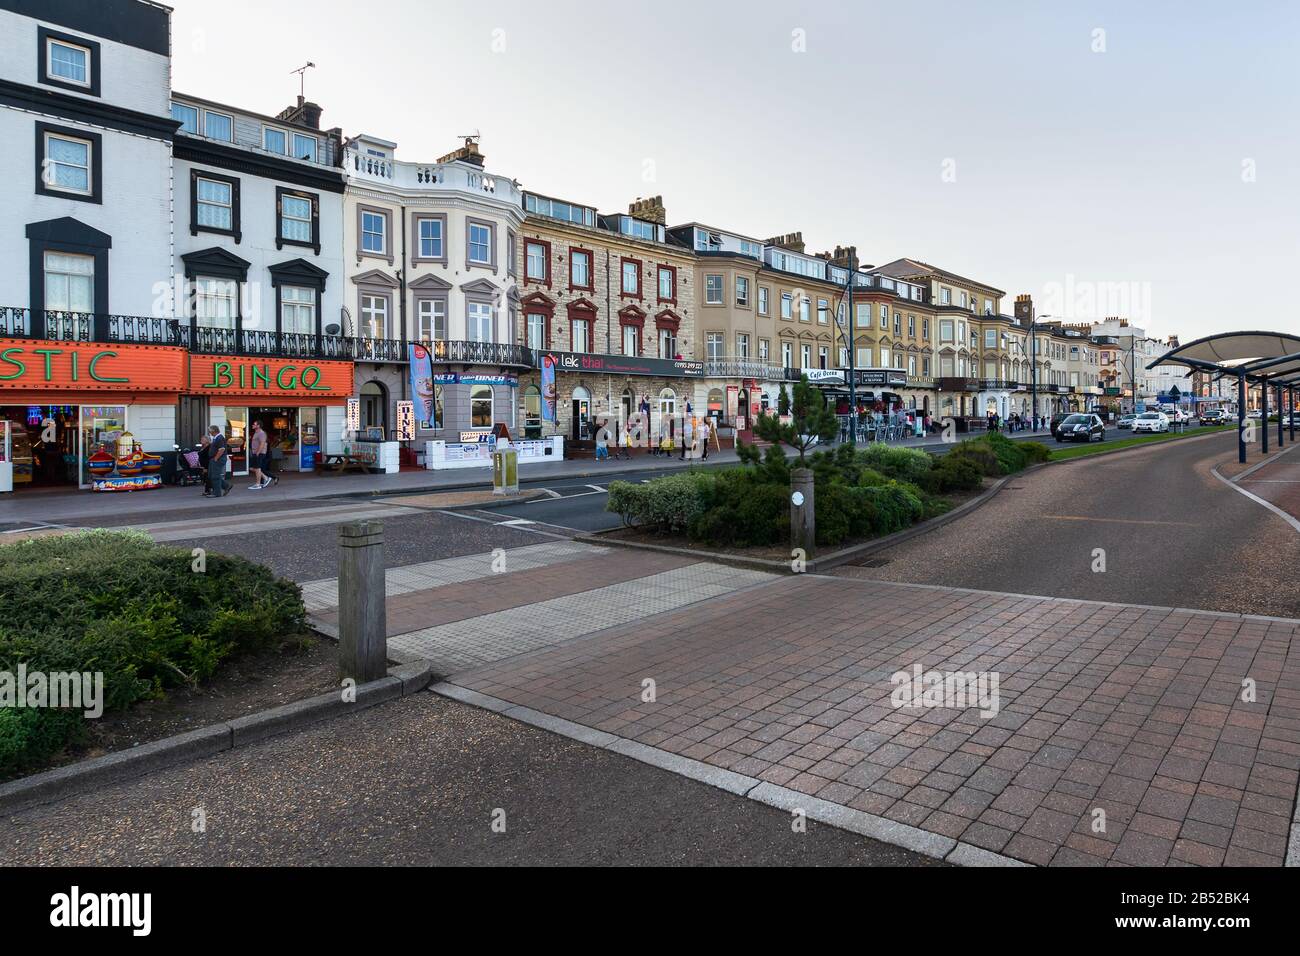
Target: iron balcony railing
(60, 326)
(744, 368)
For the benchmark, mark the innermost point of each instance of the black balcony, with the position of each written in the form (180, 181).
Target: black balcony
(950, 384)
(482, 353)
(89, 327)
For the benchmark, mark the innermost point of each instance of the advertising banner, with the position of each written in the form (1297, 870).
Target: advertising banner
(422, 385)
(548, 388)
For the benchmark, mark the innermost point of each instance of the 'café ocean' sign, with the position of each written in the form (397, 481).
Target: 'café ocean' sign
(305, 379)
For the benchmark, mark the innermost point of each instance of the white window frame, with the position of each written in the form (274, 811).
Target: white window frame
(539, 340)
(228, 205)
(470, 243)
(68, 278)
(50, 44)
(294, 137)
(668, 274)
(421, 238)
(382, 233)
(742, 291)
(429, 314)
(285, 218)
(50, 163)
(476, 313)
(297, 301)
(529, 247)
(713, 283)
(275, 129)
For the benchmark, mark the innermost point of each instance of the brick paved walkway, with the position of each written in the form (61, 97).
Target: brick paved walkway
(1133, 711)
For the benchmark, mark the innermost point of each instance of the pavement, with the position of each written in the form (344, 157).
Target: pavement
(1144, 714)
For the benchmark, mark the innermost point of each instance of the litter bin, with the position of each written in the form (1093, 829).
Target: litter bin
(505, 471)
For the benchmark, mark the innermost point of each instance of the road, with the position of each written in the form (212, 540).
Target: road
(579, 504)
(1170, 534)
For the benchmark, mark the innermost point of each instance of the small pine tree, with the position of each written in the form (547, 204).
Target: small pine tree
(811, 420)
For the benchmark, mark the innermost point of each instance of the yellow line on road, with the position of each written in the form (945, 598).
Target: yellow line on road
(1188, 524)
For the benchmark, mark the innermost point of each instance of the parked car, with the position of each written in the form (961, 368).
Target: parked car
(1215, 416)
(1056, 423)
(1254, 413)
(1081, 428)
(1151, 422)
(1178, 416)
(1125, 421)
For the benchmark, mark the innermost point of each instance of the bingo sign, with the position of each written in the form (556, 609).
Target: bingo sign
(406, 421)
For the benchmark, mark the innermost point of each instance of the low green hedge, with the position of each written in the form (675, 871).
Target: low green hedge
(139, 613)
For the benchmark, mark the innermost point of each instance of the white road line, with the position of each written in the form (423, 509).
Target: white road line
(1289, 519)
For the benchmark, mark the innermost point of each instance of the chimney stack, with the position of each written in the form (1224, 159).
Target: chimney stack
(1024, 309)
(651, 210)
(304, 113)
(469, 153)
(793, 241)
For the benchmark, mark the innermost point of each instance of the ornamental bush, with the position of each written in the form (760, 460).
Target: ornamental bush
(981, 454)
(905, 464)
(667, 505)
(137, 612)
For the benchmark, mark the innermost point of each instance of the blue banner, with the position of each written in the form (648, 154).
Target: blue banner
(422, 389)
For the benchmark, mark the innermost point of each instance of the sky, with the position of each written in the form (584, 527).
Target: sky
(1126, 158)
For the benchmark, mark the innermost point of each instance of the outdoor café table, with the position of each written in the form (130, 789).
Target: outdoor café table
(341, 463)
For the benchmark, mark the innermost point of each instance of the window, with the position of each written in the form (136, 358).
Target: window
(536, 330)
(764, 348)
(925, 367)
(631, 340)
(742, 346)
(69, 283)
(374, 316)
(187, 116)
(911, 326)
(297, 310)
(431, 320)
(556, 209)
(667, 343)
(823, 312)
(988, 306)
(945, 296)
(667, 284)
(805, 304)
(214, 204)
(945, 330)
(805, 356)
(511, 266)
(787, 305)
(480, 406)
(215, 302)
(898, 323)
(218, 126)
(713, 290)
(990, 338)
(925, 329)
(884, 357)
(787, 355)
(68, 164)
(480, 322)
(884, 317)
(864, 358)
(305, 147)
(275, 140)
(481, 249)
(763, 293)
(863, 316)
(430, 239)
(374, 232)
(843, 357)
(742, 291)
(631, 270)
(537, 262)
(714, 346)
(964, 301)
(296, 219)
(581, 334)
(579, 271)
(911, 365)
(823, 356)
(67, 61)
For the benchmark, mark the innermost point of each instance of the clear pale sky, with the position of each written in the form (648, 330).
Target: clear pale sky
(990, 138)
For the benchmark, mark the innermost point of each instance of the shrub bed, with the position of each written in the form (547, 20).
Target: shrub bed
(139, 613)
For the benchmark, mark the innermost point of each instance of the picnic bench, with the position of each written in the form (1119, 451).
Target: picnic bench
(340, 463)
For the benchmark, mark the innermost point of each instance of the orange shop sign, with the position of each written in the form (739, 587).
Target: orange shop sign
(303, 380)
(39, 365)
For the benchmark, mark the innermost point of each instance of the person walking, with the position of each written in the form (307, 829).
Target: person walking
(688, 436)
(602, 443)
(218, 461)
(706, 432)
(257, 457)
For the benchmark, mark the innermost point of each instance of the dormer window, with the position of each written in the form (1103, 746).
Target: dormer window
(275, 140)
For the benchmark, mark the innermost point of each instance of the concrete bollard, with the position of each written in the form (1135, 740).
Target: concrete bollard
(363, 637)
(803, 521)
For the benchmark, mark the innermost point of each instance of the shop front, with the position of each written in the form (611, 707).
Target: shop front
(298, 402)
(574, 393)
(88, 415)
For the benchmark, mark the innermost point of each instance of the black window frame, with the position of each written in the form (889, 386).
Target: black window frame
(314, 199)
(43, 77)
(235, 231)
(96, 141)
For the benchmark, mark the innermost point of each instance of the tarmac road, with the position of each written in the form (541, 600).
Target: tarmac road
(1172, 534)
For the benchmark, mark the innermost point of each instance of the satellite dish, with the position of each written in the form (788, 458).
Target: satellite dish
(333, 329)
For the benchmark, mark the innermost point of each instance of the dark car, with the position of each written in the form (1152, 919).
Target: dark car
(1080, 427)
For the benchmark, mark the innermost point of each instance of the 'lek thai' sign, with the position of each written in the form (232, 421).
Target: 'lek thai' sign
(280, 378)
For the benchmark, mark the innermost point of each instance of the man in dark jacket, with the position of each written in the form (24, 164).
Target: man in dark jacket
(218, 461)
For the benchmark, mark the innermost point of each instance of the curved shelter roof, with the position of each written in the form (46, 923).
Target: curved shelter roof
(1271, 356)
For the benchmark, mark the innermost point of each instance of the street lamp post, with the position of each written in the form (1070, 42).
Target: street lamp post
(846, 329)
